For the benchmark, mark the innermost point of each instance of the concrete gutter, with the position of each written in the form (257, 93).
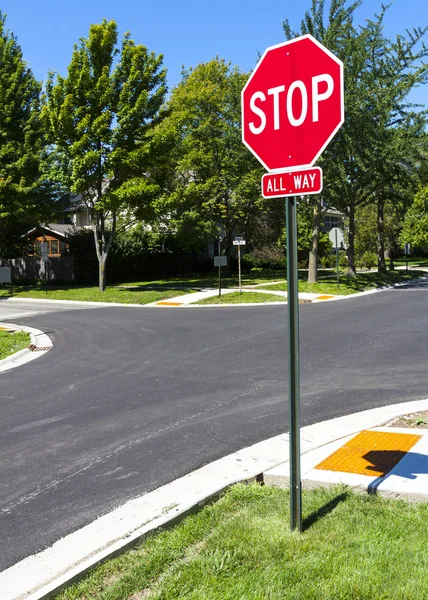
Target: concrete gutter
(40, 344)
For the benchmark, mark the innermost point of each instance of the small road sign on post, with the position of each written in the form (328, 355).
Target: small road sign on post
(44, 246)
(239, 241)
(44, 251)
(336, 238)
(407, 252)
(292, 106)
(220, 261)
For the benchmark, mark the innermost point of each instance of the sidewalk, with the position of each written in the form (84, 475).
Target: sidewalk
(190, 299)
(359, 450)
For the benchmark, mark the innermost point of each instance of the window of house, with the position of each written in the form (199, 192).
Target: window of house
(54, 247)
(37, 249)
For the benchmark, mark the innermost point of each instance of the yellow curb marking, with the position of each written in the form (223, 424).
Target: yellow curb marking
(372, 453)
(324, 297)
(169, 304)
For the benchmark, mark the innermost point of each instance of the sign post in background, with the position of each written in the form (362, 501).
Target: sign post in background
(292, 106)
(336, 238)
(44, 247)
(239, 241)
(407, 252)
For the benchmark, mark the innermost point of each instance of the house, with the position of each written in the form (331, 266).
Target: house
(74, 216)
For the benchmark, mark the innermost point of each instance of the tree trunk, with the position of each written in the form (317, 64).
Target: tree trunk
(102, 273)
(351, 242)
(313, 253)
(103, 243)
(381, 236)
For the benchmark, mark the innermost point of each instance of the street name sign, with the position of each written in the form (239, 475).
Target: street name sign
(239, 242)
(293, 104)
(292, 183)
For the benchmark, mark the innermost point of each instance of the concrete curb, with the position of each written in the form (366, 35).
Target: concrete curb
(314, 298)
(39, 340)
(87, 303)
(41, 576)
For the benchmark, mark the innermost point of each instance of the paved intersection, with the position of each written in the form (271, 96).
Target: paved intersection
(129, 399)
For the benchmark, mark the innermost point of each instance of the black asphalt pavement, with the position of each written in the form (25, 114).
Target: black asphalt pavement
(129, 399)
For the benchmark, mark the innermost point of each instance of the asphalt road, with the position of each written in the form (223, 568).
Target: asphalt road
(132, 398)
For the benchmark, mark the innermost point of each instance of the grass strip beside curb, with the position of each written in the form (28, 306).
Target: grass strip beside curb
(353, 546)
(353, 285)
(13, 342)
(92, 294)
(242, 298)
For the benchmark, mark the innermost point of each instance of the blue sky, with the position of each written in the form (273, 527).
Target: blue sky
(186, 32)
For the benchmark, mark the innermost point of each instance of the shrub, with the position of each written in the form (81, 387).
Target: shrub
(328, 261)
(368, 260)
(266, 258)
(343, 259)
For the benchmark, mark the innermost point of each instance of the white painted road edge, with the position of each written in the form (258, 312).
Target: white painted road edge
(38, 339)
(42, 575)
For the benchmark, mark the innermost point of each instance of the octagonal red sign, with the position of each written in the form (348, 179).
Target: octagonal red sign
(293, 104)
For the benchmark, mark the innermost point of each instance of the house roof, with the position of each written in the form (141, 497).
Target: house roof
(57, 228)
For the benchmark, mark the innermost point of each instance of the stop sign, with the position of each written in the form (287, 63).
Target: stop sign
(292, 104)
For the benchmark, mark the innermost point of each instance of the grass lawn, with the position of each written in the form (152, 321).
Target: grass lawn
(354, 547)
(352, 285)
(211, 280)
(92, 294)
(242, 298)
(419, 262)
(13, 342)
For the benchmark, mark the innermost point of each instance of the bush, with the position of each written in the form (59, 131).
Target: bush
(368, 260)
(343, 259)
(328, 261)
(265, 258)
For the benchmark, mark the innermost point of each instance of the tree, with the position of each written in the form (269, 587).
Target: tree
(101, 117)
(415, 228)
(396, 146)
(215, 181)
(372, 157)
(24, 190)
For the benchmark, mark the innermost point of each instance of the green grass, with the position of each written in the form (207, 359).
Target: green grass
(352, 285)
(203, 281)
(354, 547)
(92, 294)
(13, 342)
(419, 262)
(242, 298)
(163, 289)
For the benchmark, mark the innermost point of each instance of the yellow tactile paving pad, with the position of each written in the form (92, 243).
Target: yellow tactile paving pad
(324, 297)
(169, 303)
(372, 453)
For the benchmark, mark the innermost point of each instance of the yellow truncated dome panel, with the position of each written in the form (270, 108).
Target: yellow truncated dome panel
(372, 453)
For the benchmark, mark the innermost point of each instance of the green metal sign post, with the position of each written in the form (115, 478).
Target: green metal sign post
(286, 129)
(293, 367)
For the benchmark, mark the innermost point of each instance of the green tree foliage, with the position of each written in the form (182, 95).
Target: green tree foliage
(415, 228)
(374, 156)
(215, 181)
(101, 117)
(24, 187)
